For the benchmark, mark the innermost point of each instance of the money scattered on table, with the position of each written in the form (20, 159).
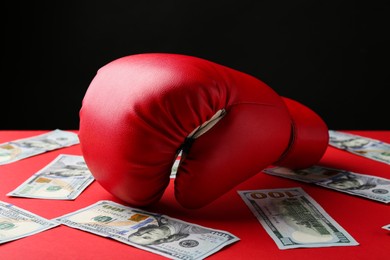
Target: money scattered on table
(294, 220)
(16, 223)
(387, 227)
(23, 148)
(63, 179)
(367, 186)
(152, 232)
(359, 145)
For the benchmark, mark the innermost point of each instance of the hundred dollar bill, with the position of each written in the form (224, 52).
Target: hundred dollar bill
(367, 186)
(387, 227)
(359, 145)
(16, 223)
(22, 148)
(159, 234)
(62, 179)
(294, 220)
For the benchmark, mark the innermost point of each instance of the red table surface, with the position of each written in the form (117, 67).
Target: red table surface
(360, 217)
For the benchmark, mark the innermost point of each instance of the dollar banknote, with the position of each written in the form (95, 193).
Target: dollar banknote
(367, 186)
(387, 227)
(23, 148)
(62, 179)
(16, 223)
(159, 234)
(359, 145)
(294, 220)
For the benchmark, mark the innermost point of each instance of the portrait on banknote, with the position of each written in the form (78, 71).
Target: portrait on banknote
(360, 145)
(368, 186)
(350, 143)
(149, 231)
(64, 178)
(293, 219)
(166, 230)
(351, 181)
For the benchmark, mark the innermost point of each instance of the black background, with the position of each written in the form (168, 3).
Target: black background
(332, 56)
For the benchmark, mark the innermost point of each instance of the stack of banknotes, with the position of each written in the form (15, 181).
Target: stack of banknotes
(66, 177)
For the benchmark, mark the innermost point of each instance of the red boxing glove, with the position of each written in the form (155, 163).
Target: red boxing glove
(140, 111)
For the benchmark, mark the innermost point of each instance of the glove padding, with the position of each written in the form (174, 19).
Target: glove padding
(140, 111)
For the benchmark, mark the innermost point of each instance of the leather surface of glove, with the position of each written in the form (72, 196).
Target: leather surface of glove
(141, 110)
